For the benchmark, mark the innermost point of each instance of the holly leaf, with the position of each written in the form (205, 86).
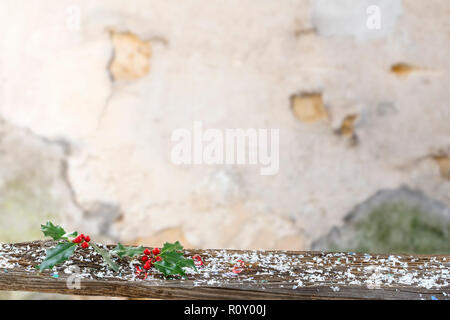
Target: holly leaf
(123, 251)
(171, 247)
(187, 263)
(71, 235)
(173, 260)
(50, 230)
(169, 269)
(105, 255)
(56, 255)
(171, 257)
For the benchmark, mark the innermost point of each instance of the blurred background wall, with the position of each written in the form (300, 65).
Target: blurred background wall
(91, 91)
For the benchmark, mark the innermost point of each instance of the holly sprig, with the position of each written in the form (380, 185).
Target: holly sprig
(65, 249)
(169, 260)
(172, 260)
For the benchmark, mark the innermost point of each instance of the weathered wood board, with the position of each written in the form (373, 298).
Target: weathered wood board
(266, 275)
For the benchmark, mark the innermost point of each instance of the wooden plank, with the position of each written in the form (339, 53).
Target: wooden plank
(267, 275)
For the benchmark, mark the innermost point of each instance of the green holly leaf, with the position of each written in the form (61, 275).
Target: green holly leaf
(50, 230)
(171, 257)
(187, 263)
(123, 251)
(105, 255)
(59, 254)
(173, 260)
(71, 235)
(169, 269)
(171, 247)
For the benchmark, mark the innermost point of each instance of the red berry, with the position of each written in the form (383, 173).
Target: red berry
(147, 265)
(85, 245)
(158, 258)
(156, 251)
(81, 236)
(77, 240)
(147, 251)
(87, 238)
(144, 258)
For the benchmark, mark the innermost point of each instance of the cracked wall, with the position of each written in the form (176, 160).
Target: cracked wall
(383, 113)
(394, 221)
(32, 184)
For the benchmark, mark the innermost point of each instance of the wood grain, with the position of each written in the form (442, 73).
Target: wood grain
(266, 275)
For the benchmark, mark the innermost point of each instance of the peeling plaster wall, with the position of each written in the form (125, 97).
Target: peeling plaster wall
(33, 184)
(230, 68)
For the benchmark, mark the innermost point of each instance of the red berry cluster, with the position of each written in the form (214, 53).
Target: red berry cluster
(83, 240)
(148, 261)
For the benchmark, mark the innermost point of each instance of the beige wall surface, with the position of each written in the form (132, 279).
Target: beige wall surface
(91, 92)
